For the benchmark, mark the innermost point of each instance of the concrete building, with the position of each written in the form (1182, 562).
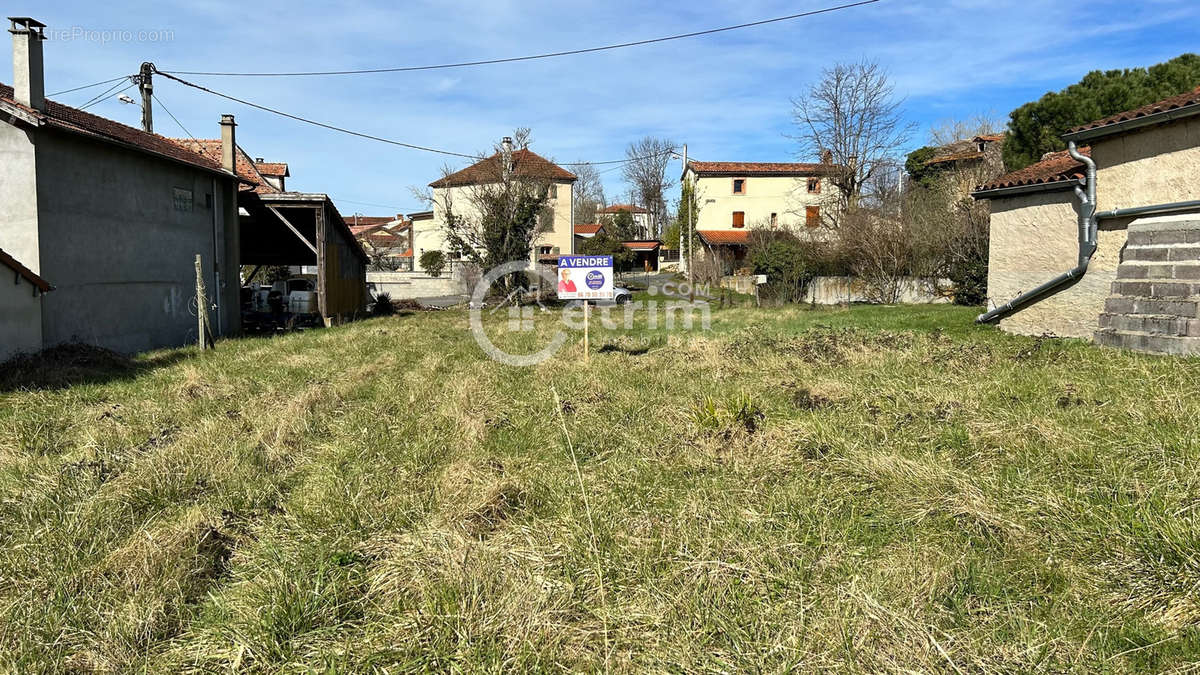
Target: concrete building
(455, 194)
(114, 216)
(735, 197)
(20, 308)
(1140, 286)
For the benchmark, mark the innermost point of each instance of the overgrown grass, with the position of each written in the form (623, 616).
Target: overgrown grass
(870, 489)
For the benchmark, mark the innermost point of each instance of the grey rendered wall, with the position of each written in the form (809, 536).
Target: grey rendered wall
(20, 316)
(119, 248)
(18, 197)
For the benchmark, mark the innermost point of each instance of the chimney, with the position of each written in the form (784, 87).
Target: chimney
(259, 160)
(29, 86)
(228, 144)
(827, 157)
(506, 154)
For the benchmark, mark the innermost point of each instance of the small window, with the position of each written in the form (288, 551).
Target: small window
(739, 186)
(554, 191)
(739, 218)
(182, 198)
(544, 250)
(812, 216)
(774, 219)
(814, 186)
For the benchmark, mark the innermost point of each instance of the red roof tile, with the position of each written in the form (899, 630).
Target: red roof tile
(360, 222)
(760, 168)
(24, 272)
(526, 164)
(642, 245)
(246, 169)
(958, 156)
(1174, 102)
(617, 208)
(273, 169)
(725, 237)
(989, 138)
(1057, 166)
(77, 121)
(588, 228)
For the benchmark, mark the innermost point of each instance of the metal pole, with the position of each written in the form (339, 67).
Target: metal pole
(146, 86)
(586, 351)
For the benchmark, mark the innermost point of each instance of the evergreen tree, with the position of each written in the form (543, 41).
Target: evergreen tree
(1036, 127)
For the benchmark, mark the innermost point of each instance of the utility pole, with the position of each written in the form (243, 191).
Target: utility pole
(145, 81)
(687, 206)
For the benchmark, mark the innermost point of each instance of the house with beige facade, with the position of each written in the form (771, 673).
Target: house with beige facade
(736, 197)
(1102, 241)
(454, 194)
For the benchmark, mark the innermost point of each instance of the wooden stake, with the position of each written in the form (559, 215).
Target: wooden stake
(201, 303)
(586, 313)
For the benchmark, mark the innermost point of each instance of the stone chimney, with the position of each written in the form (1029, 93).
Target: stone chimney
(228, 144)
(506, 152)
(29, 87)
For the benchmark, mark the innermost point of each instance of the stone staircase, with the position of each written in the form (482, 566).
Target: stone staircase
(1155, 301)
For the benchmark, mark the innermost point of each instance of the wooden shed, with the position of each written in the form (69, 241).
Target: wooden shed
(301, 228)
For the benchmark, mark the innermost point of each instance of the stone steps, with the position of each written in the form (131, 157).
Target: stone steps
(1147, 342)
(1154, 304)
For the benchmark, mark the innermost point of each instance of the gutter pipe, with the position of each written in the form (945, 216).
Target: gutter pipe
(1088, 228)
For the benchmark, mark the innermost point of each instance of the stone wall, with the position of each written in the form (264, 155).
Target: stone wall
(843, 290)
(411, 285)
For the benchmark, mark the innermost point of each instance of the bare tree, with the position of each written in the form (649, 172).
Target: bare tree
(948, 131)
(645, 170)
(588, 193)
(852, 118)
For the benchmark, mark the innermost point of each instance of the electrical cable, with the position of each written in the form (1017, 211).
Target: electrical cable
(513, 59)
(88, 86)
(106, 94)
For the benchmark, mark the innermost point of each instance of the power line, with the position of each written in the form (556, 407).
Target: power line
(105, 95)
(88, 86)
(199, 145)
(372, 137)
(549, 55)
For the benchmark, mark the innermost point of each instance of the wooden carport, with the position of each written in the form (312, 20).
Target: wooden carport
(300, 228)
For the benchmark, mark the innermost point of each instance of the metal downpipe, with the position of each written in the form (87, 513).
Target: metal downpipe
(1088, 229)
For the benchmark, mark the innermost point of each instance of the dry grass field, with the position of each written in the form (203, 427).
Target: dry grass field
(867, 489)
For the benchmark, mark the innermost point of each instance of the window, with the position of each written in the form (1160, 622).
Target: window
(739, 218)
(814, 186)
(739, 186)
(554, 191)
(812, 216)
(543, 250)
(182, 198)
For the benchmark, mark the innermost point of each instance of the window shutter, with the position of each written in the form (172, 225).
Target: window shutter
(739, 218)
(812, 216)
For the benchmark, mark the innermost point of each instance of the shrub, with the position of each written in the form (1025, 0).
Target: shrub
(433, 262)
(784, 258)
(383, 305)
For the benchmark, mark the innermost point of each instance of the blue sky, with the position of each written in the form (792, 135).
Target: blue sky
(727, 96)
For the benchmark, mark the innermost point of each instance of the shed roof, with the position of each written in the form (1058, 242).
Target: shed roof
(725, 237)
(1186, 102)
(24, 272)
(1055, 167)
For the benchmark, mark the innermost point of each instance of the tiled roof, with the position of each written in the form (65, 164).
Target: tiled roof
(77, 121)
(273, 169)
(642, 245)
(725, 237)
(24, 272)
(956, 157)
(989, 138)
(760, 168)
(526, 164)
(617, 208)
(588, 228)
(246, 169)
(1056, 166)
(1167, 104)
(366, 221)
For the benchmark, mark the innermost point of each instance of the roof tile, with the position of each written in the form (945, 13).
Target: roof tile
(1056, 166)
(80, 122)
(725, 237)
(760, 168)
(1185, 99)
(526, 164)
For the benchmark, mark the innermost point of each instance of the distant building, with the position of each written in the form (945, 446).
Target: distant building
(643, 220)
(735, 197)
(455, 191)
